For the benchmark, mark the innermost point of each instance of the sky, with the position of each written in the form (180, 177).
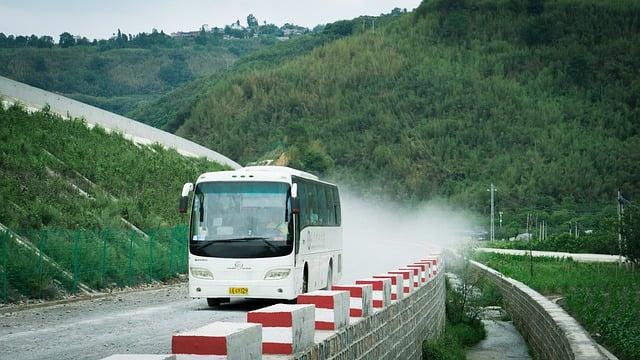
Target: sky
(101, 19)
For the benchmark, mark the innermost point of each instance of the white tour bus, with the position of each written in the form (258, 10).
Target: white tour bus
(268, 232)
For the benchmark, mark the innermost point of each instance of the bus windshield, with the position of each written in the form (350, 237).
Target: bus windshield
(241, 220)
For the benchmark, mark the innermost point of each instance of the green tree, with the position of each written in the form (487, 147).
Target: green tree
(252, 22)
(66, 40)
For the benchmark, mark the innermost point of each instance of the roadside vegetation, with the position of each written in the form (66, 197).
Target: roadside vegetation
(467, 294)
(101, 207)
(604, 298)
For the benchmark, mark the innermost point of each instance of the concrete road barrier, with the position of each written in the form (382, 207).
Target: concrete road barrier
(381, 293)
(360, 299)
(407, 280)
(424, 271)
(332, 308)
(416, 275)
(235, 341)
(286, 329)
(396, 285)
(140, 357)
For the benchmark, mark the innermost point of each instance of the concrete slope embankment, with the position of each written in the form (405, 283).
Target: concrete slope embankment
(138, 132)
(559, 255)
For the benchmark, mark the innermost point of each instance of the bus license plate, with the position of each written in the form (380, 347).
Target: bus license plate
(238, 291)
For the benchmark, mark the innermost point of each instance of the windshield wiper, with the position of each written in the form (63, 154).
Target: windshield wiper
(261, 238)
(242, 239)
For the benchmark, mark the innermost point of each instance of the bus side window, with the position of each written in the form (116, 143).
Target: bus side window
(331, 210)
(336, 198)
(323, 208)
(313, 204)
(303, 191)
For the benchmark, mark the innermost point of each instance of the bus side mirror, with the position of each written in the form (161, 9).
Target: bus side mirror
(295, 202)
(184, 199)
(295, 205)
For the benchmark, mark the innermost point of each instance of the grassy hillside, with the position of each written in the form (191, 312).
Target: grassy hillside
(121, 79)
(540, 98)
(61, 174)
(171, 110)
(100, 207)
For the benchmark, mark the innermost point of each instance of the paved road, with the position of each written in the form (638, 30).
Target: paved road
(576, 257)
(140, 322)
(143, 321)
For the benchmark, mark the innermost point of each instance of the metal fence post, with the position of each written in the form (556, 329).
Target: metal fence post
(4, 237)
(151, 257)
(39, 266)
(129, 267)
(105, 236)
(172, 243)
(74, 261)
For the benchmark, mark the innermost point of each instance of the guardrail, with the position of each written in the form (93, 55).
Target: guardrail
(324, 325)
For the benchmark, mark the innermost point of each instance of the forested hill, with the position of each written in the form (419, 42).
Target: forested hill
(539, 97)
(125, 73)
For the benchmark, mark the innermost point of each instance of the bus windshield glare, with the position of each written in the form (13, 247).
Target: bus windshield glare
(241, 220)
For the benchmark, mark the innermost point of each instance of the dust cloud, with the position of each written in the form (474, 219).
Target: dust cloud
(379, 236)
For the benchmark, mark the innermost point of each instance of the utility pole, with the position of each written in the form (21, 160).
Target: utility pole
(620, 213)
(493, 208)
(528, 216)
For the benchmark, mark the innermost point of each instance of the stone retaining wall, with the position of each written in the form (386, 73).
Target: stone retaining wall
(549, 330)
(395, 332)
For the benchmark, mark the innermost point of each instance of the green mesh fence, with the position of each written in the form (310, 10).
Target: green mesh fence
(47, 264)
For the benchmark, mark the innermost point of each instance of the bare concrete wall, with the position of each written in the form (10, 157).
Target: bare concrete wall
(396, 332)
(136, 131)
(549, 330)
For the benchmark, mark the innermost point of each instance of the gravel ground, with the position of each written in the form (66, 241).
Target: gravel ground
(134, 322)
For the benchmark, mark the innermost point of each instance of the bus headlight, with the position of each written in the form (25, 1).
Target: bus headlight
(277, 274)
(201, 273)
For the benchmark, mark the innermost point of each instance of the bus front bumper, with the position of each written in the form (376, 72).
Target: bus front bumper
(264, 289)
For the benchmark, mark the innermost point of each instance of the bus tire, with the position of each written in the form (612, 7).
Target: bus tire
(213, 302)
(329, 276)
(305, 280)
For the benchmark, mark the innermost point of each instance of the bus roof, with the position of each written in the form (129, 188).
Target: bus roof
(268, 171)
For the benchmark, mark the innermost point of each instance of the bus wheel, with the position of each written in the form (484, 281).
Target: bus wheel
(212, 302)
(305, 281)
(329, 277)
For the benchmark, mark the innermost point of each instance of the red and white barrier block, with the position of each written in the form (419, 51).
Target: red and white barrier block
(360, 296)
(140, 357)
(396, 284)
(381, 293)
(332, 308)
(433, 261)
(430, 268)
(240, 341)
(423, 269)
(407, 279)
(416, 275)
(286, 329)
